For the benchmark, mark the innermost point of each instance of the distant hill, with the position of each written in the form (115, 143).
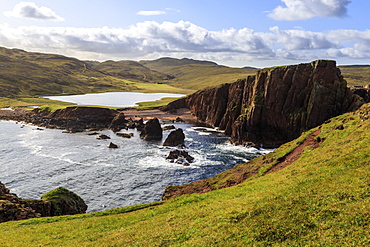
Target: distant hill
(194, 74)
(25, 74)
(129, 70)
(356, 75)
(32, 74)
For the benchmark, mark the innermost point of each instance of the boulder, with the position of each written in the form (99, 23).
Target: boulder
(140, 124)
(125, 135)
(362, 91)
(112, 145)
(64, 202)
(169, 127)
(118, 122)
(175, 138)
(103, 137)
(152, 130)
(180, 157)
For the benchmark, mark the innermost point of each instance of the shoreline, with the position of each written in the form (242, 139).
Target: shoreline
(28, 116)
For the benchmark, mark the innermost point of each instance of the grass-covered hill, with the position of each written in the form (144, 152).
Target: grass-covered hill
(29, 74)
(34, 74)
(356, 75)
(194, 74)
(313, 191)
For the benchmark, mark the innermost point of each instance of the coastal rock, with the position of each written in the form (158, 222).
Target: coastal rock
(103, 137)
(362, 91)
(140, 124)
(112, 145)
(169, 127)
(152, 130)
(277, 104)
(118, 122)
(180, 157)
(125, 135)
(82, 117)
(64, 202)
(11, 207)
(175, 138)
(56, 202)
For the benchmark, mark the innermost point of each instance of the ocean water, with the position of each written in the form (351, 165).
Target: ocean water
(33, 162)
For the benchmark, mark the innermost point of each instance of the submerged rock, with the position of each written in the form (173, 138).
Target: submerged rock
(125, 135)
(169, 127)
(103, 137)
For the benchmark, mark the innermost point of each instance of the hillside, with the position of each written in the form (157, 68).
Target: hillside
(29, 74)
(356, 75)
(194, 74)
(33, 74)
(312, 191)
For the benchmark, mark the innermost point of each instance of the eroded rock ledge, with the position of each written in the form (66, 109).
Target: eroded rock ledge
(276, 105)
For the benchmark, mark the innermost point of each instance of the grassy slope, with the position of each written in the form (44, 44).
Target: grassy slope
(194, 74)
(322, 199)
(356, 75)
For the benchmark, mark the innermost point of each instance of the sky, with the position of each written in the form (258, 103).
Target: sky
(235, 33)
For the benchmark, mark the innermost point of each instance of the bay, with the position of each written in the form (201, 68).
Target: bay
(33, 162)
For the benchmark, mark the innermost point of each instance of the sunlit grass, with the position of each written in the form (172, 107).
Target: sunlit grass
(320, 200)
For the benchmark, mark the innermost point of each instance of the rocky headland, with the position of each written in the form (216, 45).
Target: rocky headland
(276, 105)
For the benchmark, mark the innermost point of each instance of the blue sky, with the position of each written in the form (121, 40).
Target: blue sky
(236, 33)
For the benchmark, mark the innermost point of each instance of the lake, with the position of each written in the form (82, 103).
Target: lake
(113, 99)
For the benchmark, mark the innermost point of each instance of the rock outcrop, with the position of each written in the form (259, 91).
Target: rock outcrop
(175, 138)
(277, 104)
(118, 122)
(56, 202)
(152, 130)
(362, 91)
(180, 157)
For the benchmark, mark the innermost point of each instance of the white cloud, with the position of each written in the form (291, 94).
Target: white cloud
(151, 12)
(150, 40)
(31, 10)
(307, 9)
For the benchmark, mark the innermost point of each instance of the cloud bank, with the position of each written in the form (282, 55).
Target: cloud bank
(31, 10)
(147, 40)
(307, 9)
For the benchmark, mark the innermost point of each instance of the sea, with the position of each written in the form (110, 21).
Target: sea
(35, 160)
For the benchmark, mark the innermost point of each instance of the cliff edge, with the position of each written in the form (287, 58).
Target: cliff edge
(276, 105)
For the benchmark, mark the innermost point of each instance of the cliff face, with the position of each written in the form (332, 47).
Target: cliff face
(277, 104)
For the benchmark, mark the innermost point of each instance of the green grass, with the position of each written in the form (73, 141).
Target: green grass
(356, 75)
(320, 200)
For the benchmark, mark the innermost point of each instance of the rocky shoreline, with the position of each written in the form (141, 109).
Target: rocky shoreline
(54, 203)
